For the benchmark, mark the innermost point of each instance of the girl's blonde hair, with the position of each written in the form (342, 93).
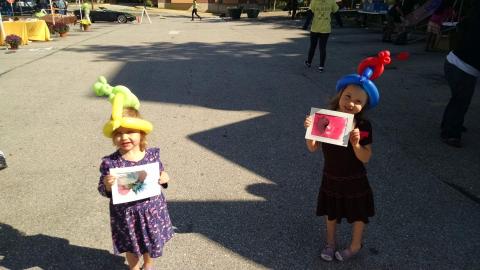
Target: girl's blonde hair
(333, 105)
(133, 113)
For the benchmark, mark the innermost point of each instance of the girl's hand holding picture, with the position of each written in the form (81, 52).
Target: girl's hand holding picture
(164, 178)
(355, 137)
(308, 121)
(108, 182)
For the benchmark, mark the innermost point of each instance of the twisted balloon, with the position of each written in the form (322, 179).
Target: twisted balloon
(121, 97)
(368, 70)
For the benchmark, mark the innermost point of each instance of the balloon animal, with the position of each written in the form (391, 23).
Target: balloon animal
(368, 70)
(120, 97)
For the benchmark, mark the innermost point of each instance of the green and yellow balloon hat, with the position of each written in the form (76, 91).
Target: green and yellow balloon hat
(120, 97)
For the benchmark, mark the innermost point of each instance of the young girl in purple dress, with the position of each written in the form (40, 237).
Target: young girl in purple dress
(139, 228)
(345, 191)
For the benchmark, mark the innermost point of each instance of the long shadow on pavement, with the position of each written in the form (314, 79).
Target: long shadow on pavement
(282, 232)
(20, 251)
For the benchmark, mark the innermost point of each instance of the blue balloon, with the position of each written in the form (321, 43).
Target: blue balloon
(364, 82)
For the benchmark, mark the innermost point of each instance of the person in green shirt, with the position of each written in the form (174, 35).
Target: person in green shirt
(320, 29)
(194, 9)
(86, 7)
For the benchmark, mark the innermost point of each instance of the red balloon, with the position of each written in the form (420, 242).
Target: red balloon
(375, 63)
(402, 56)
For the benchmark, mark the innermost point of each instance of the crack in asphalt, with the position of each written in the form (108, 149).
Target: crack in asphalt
(464, 192)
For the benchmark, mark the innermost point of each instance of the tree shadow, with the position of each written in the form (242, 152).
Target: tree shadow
(21, 251)
(281, 231)
(273, 231)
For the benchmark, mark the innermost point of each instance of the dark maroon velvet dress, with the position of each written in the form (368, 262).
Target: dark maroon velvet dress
(345, 191)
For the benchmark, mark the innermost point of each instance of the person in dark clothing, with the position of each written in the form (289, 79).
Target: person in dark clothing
(308, 19)
(394, 17)
(337, 16)
(294, 7)
(462, 68)
(195, 9)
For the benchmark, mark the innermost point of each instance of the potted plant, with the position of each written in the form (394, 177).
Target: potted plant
(13, 41)
(252, 12)
(85, 24)
(61, 28)
(50, 27)
(234, 12)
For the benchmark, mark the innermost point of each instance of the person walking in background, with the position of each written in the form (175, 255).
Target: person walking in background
(194, 9)
(308, 19)
(462, 68)
(294, 7)
(395, 16)
(320, 29)
(345, 191)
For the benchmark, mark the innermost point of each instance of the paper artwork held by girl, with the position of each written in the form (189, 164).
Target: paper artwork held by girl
(330, 126)
(135, 183)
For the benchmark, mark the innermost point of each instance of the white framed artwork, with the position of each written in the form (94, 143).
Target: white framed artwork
(330, 126)
(135, 183)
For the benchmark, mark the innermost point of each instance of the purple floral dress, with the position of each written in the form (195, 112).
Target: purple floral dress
(142, 226)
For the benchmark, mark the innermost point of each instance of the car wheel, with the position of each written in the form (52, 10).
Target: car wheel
(121, 19)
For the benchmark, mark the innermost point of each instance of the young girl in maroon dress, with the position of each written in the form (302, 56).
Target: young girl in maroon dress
(139, 228)
(345, 191)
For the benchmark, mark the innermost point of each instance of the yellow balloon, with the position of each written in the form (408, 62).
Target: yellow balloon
(120, 97)
(127, 122)
(117, 106)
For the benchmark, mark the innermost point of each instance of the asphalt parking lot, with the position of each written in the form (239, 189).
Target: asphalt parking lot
(227, 100)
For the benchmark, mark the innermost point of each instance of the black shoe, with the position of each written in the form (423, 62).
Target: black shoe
(3, 162)
(307, 64)
(320, 69)
(454, 142)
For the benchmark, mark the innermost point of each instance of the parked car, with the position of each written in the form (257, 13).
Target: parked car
(106, 15)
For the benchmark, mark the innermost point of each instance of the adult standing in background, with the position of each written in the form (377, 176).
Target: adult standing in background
(462, 68)
(308, 17)
(294, 7)
(321, 29)
(337, 15)
(86, 7)
(62, 7)
(194, 9)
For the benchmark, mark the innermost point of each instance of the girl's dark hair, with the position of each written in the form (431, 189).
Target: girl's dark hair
(333, 105)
